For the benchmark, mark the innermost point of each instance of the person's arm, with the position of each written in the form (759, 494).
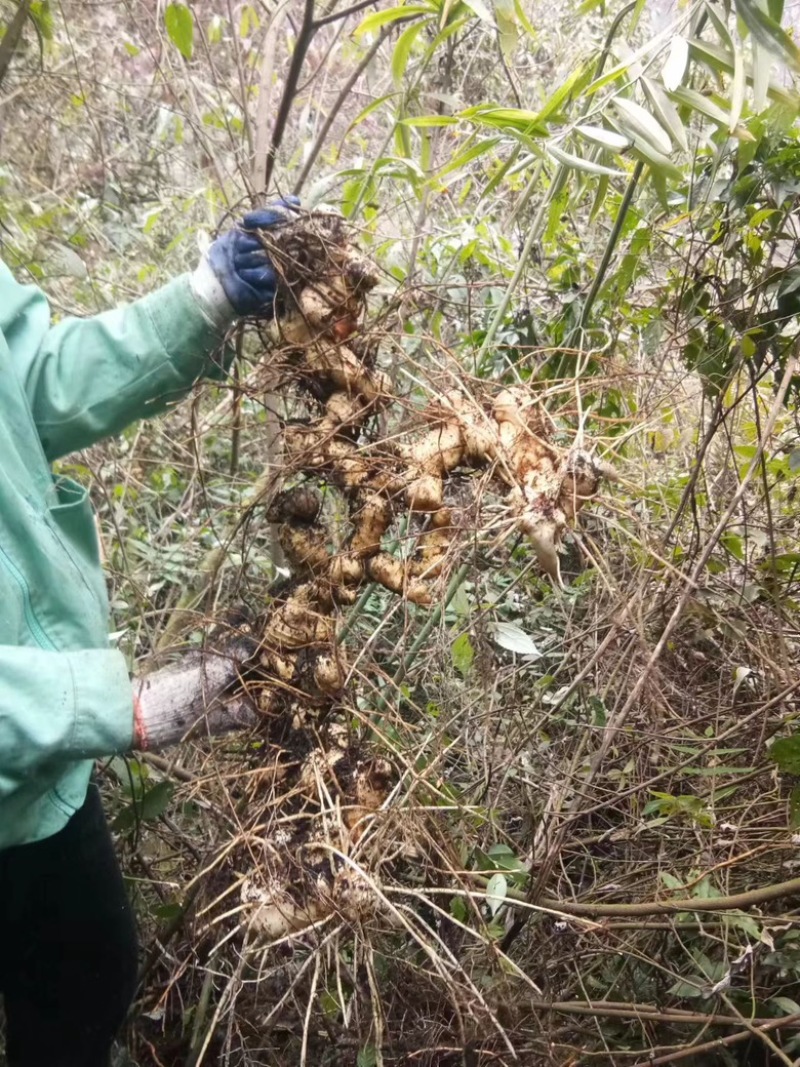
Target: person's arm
(89, 378)
(61, 705)
(82, 705)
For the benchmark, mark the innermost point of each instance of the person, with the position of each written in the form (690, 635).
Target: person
(67, 933)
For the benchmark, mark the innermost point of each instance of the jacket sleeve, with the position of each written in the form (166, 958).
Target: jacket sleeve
(61, 705)
(89, 378)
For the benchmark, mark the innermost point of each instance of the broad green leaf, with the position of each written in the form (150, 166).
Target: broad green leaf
(180, 28)
(605, 138)
(377, 19)
(775, 10)
(768, 33)
(675, 64)
(794, 808)
(496, 892)
(587, 166)
(666, 113)
(512, 638)
(367, 1057)
(639, 121)
(463, 654)
(402, 50)
(702, 104)
(786, 753)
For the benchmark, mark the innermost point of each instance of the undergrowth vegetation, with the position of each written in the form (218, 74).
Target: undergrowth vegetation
(589, 849)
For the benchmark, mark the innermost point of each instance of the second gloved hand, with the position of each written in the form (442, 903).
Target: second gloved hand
(235, 277)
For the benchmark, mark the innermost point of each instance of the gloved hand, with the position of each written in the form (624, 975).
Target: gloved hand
(203, 690)
(235, 276)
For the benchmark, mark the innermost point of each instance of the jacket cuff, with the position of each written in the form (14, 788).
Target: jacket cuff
(103, 702)
(210, 296)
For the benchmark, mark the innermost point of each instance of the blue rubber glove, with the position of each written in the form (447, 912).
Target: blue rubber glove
(235, 276)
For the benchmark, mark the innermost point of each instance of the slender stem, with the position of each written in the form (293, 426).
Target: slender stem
(337, 106)
(608, 251)
(432, 620)
(304, 38)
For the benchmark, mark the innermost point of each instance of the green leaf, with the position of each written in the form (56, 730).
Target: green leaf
(761, 72)
(585, 165)
(768, 33)
(676, 62)
(373, 105)
(775, 10)
(496, 892)
(505, 14)
(180, 28)
(467, 156)
(786, 753)
(367, 1057)
(702, 104)
(642, 124)
(458, 909)
(666, 113)
(377, 19)
(599, 197)
(605, 138)
(426, 121)
(463, 654)
(477, 7)
(402, 50)
(565, 93)
(794, 808)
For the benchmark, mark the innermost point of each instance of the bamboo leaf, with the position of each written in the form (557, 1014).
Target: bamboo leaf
(761, 71)
(720, 60)
(737, 88)
(675, 64)
(720, 25)
(507, 118)
(598, 135)
(467, 156)
(702, 104)
(768, 33)
(180, 28)
(373, 105)
(427, 121)
(666, 113)
(565, 92)
(402, 50)
(587, 166)
(376, 19)
(599, 197)
(477, 7)
(641, 123)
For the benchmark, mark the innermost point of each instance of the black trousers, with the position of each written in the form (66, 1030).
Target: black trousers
(67, 945)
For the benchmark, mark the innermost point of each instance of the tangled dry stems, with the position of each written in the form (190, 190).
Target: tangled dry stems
(356, 943)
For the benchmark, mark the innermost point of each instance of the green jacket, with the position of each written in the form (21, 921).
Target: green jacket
(65, 696)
